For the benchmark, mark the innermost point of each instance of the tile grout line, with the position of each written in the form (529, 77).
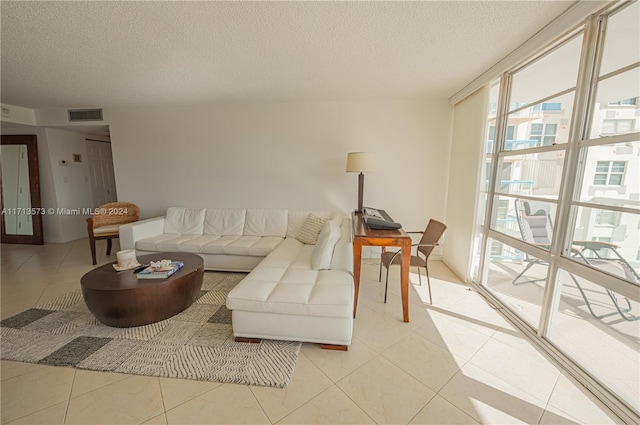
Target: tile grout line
(23, 263)
(191, 399)
(555, 384)
(351, 373)
(435, 393)
(334, 384)
(467, 361)
(46, 407)
(250, 387)
(66, 410)
(56, 272)
(164, 407)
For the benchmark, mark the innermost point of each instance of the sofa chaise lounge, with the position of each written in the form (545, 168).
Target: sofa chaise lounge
(299, 288)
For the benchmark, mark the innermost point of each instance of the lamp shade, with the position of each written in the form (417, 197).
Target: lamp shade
(361, 162)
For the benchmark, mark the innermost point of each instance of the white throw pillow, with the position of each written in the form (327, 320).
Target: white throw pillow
(323, 251)
(310, 230)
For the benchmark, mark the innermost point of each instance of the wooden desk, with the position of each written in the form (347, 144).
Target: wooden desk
(364, 236)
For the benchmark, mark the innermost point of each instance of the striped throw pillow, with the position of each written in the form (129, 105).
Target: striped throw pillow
(310, 230)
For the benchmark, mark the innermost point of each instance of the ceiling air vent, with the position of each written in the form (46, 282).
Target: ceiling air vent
(85, 115)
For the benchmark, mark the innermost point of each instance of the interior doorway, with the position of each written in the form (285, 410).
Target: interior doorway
(103, 181)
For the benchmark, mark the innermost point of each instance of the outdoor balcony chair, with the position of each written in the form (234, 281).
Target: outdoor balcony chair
(534, 221)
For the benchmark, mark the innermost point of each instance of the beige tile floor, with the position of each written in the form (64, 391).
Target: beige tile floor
(457, 362)
(608, 347)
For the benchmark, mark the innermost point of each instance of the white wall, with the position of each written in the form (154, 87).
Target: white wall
(55, 192)
(284, 155)
(469, 118)
(72, 182)
(17, 114)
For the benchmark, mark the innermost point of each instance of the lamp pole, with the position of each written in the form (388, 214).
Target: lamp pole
(360, 192)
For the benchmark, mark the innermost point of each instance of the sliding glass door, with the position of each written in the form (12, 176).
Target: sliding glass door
(560, 229)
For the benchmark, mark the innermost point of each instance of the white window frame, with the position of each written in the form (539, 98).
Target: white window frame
(610, 173)
(558, 257)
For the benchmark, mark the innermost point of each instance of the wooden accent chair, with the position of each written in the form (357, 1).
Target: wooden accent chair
(105, 223)
(430, 239)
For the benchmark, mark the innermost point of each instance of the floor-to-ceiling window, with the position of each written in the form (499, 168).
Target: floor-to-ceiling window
(560, 246)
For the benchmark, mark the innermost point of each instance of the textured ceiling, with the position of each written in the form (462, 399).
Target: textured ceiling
(104, 54)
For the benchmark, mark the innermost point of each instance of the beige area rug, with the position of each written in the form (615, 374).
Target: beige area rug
(195, 344)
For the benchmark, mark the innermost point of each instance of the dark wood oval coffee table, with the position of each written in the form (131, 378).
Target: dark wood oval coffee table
(120, 299)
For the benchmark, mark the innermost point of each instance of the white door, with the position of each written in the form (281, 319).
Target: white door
(103, 181)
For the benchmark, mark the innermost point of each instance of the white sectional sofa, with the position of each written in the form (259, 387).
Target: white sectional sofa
(295, 291)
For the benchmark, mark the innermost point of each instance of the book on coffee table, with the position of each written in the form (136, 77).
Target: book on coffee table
(161, 272)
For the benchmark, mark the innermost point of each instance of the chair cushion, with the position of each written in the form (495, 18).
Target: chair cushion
(112, 228)
(536, 228)
(310, 230)
(323, 251)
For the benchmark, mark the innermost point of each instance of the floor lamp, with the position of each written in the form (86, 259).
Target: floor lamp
(360, 162)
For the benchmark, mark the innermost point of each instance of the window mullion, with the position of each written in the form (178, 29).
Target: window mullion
(498, 143)
(610, 140)
(573, 166)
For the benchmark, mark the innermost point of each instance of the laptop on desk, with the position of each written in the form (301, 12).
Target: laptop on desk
(379, 219)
